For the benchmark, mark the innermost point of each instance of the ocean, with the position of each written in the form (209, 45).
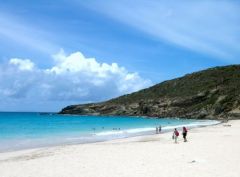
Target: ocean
(32, 130)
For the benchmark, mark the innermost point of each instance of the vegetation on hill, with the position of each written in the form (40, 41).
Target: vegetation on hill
(211, 93)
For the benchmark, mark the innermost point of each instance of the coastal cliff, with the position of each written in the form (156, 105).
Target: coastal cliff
(208, 94)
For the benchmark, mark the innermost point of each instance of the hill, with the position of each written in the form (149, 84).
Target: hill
(211, 93)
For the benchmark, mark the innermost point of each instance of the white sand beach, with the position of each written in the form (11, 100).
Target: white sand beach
(210, 152)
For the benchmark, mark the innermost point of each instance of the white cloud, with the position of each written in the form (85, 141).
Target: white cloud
(73, 78)
(210, 27)
(76, 62)
(22, 64)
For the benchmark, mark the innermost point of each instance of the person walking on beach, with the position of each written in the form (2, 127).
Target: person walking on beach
(156, 130)
(184, 133)
(160, 129)
(175, 135)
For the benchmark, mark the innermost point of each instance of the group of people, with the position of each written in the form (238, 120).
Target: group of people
(176, 134)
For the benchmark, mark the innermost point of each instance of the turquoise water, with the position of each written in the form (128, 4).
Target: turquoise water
(29, 130)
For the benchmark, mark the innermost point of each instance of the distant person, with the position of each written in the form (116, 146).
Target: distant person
(184, 133)
(156, 130)
(175, 135)
(160, 129)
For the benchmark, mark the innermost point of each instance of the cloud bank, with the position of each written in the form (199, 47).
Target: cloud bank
(73, 78)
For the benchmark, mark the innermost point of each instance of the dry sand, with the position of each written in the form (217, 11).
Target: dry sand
(210, 152)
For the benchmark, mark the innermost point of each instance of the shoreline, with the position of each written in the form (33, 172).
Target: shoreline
(106, 136)
(147, 117)
(210, 151)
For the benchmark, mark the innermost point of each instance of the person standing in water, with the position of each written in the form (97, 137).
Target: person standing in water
(175, 135)
(184, 133)
(156, 130)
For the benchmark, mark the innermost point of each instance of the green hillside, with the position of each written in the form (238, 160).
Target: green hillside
(211, 93)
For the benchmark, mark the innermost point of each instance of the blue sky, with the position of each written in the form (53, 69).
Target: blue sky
(65, 52)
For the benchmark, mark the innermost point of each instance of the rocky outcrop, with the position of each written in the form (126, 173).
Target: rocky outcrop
(208, 94)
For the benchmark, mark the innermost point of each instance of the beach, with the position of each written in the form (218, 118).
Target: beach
(210, 151)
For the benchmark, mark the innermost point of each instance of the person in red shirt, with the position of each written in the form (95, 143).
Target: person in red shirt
(175, 135)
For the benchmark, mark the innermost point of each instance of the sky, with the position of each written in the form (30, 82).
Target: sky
(64, 52)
